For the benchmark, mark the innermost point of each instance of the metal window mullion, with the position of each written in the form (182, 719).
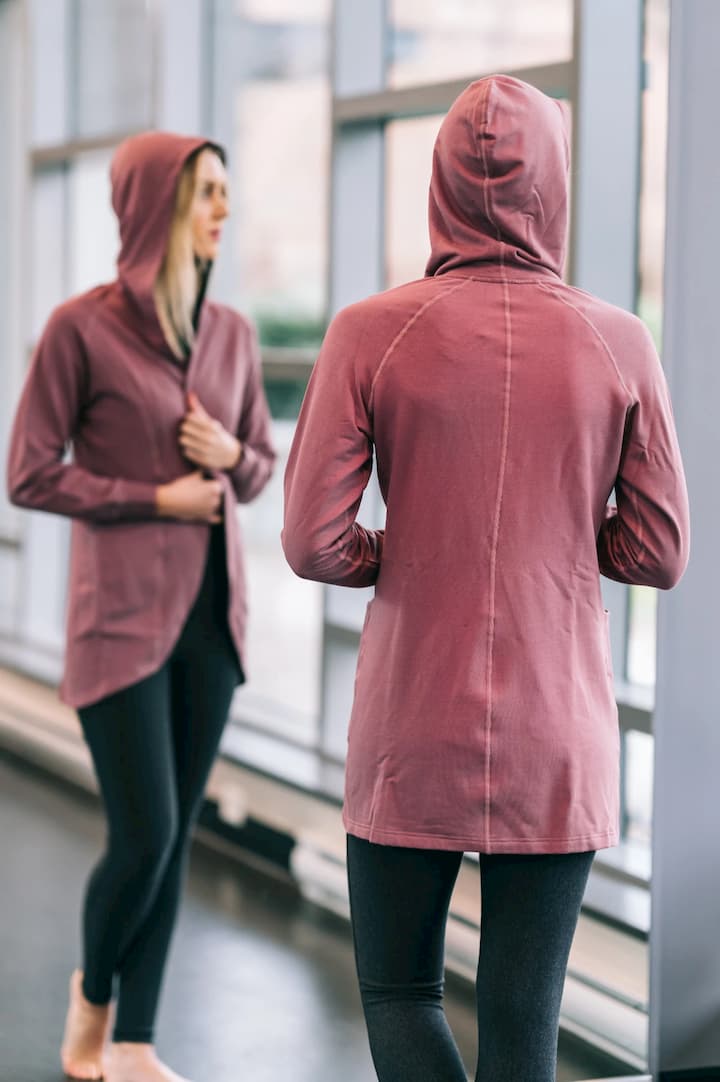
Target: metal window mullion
(429, 98)
(72, 37)
(607, 101)
(14, 122)
(359, 33)
(179, 45)
(49, 157)
(684, 941)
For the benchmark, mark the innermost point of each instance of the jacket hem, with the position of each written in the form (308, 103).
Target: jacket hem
(480, 843)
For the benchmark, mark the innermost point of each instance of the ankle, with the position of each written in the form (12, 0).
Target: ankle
(78, 992)
(133, 1049)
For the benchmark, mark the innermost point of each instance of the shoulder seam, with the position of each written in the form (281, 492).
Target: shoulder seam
(403, 331)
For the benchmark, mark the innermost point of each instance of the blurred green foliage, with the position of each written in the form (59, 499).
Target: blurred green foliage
(283, 329)
(285, 398)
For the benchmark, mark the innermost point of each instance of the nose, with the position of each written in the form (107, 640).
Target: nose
(221, 209)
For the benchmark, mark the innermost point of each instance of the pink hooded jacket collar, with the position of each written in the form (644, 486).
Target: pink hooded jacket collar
(499, 190)
(144, 174)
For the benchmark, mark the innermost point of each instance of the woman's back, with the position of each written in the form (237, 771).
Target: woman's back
(503, 406)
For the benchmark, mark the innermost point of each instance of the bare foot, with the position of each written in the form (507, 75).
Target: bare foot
(126, 1062)
(86, 1029)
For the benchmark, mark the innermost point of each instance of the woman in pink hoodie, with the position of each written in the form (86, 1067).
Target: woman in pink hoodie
(503, 407)
(159, 393)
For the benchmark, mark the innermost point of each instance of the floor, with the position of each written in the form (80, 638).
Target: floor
(260, 983)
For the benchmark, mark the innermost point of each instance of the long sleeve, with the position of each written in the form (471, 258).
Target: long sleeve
(47, 417)
(644, 540)
(328, 469)
(257, 461)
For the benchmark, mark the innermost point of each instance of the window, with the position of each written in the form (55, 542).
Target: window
(271, 103)
(430, 42)
(408, 151)
(271, 109)
(94, 237)
(111, 67)
(49, 30)
(284, 648)
(642, 621)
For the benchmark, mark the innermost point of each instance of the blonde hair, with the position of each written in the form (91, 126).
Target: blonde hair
(176, 286)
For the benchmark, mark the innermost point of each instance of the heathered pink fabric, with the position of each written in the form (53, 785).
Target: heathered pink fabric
(103, 379)
(503, 407)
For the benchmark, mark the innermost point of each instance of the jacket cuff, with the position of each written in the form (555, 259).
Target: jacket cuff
(137, 499)
(245, 468)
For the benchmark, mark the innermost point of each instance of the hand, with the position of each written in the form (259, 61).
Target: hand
(192, 498)
(204, 440)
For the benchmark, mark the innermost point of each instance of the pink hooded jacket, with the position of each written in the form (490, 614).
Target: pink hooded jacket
(503, 407)
(104, 380)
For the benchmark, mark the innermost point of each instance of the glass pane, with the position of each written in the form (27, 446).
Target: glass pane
(94, 237)
(48, 27)
(642, 631)
(643, 602)
(431, 42)
(638, 785)
(272, 108)
(113, 66)
(286, 12)
(409, 146)
(652, 193)
(284, 647)
(13, 252)
(49, 248)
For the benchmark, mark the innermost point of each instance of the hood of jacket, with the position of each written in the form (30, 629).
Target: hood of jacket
(144, 177)
(499, 187)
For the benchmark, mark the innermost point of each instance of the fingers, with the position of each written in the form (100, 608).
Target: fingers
(213, 498)
(198, 427)
(199, 444)
(194, 446)
(197, 457)
(217, 490)
(199, 449)
(195, 405)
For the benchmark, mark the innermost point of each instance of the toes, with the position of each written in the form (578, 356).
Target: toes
(84, 1072)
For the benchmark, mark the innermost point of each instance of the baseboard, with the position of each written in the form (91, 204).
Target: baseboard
(695, 1074)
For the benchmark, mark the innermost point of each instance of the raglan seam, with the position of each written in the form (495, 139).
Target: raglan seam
(603, 342)
(410, 322)
(596, 331)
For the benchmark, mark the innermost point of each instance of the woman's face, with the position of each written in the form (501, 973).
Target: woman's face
(209, 207)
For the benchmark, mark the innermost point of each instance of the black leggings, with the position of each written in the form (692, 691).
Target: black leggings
(153, 745)
(530, 906)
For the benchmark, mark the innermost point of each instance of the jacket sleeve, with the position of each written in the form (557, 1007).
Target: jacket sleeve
(329, 467)
(645, 538)
(257, 460)
(47, 417)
